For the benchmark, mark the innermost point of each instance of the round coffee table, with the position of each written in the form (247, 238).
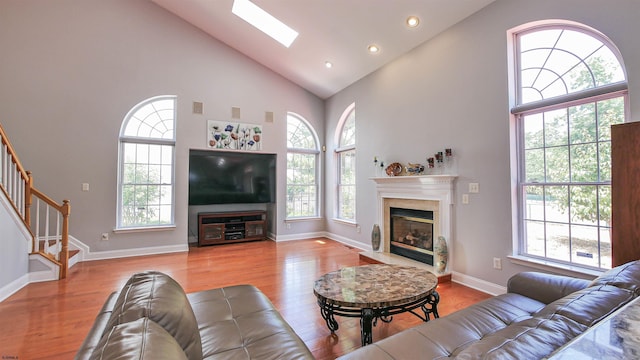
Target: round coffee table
(378, 291)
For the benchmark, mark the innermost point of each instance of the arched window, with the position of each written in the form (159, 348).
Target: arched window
(346, 160)
(146, 171)
(302, 168)
(570, 88)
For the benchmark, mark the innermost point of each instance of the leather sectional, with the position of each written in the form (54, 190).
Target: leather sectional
(537, 316)
(153, 318)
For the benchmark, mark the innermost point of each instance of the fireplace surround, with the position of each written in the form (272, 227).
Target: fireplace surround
(426, 193)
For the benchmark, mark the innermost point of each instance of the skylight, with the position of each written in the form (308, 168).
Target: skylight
(264, 22)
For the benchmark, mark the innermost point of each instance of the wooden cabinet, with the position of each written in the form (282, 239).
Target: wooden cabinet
(231, 227)
(625, 192)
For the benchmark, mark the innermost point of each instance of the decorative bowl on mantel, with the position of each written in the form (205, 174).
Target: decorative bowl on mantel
(394, 169)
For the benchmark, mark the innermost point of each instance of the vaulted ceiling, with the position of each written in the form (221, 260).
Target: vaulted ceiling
(338, 31)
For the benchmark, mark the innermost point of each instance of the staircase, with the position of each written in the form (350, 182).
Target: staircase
(46, 220)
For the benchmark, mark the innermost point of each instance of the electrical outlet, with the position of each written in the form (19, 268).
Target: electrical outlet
(465, 199)
(474, 188)
(497, 263)
(85, 186)
(288, 225)
(358, 229)
(105, 236)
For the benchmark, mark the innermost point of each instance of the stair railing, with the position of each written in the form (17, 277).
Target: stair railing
(49, 227)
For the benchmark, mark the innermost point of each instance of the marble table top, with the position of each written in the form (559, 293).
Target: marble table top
(375, 286)
(616, 337)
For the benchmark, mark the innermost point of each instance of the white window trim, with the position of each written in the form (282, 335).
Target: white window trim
(316, 152)
(620, 88)
(122, 139)
(339, 149)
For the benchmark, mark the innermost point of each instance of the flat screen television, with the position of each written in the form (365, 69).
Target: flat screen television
(225, 177)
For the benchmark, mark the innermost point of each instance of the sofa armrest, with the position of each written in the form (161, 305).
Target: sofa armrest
(545, 288)
(94, 335)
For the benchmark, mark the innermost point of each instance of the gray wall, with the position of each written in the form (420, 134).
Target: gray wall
(452, 92)
(72, 69)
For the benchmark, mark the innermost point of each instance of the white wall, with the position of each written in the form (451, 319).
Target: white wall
(70, 70)
(15, 249)
(452, 92)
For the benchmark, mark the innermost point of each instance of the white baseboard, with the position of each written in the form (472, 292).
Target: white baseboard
(478, 284)
(349, 242)
(303, 236)
(115, 254)
(13, 287)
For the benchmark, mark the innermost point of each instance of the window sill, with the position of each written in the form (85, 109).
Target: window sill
(308, 218)
(346, 222)
(554, 267)
(143, 229)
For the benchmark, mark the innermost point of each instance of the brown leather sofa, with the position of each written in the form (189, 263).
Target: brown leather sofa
(153, 318)
(538, 315)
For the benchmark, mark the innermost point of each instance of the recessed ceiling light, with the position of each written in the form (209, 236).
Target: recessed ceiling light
(412, 21)
(264, 21)
(373, 48)
(328, 64)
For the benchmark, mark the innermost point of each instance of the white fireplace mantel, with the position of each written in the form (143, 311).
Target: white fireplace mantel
(437, 189)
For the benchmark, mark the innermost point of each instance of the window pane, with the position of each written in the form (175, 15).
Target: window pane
(533, 134)
(558, 241)
(348, 134)
(584, 163)
(557, 204)
(605, 248)
(560, 61)
(584, 209)
(534, 165)
(535, 238)
(583, 123)
(610, 112)
(584, 245)
(556, 128)
(347, 167)
(557, 164)
(604, 200)
(534, 206)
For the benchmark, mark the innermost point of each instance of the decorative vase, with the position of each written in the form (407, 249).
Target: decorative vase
(375, 237)
(441, 253)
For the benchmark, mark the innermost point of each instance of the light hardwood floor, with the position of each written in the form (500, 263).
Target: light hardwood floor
(50, 320)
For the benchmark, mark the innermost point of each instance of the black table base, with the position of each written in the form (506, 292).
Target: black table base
(369, 316)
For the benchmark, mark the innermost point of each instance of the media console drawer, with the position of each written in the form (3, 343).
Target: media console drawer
(230, 227)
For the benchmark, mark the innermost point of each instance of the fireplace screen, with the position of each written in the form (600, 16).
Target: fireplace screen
(412, 234)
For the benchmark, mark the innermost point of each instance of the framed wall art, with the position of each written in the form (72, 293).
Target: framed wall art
(234, 136)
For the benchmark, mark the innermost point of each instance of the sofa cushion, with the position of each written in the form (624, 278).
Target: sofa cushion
(447, 336)
(533, 338)
(157, 296)
(546, 288)
(625, 276)
(136, 340)
(588, 306)
(239, 322)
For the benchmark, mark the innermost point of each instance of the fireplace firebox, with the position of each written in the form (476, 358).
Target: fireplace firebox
(412, 234)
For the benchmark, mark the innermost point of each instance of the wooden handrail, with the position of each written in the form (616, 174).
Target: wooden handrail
(12, 152)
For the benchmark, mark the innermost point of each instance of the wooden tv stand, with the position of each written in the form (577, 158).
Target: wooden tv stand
(231, 227)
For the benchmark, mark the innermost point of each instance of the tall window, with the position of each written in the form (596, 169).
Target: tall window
(302, 168)
(571, 89)
(346, 159)
(146, 173)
